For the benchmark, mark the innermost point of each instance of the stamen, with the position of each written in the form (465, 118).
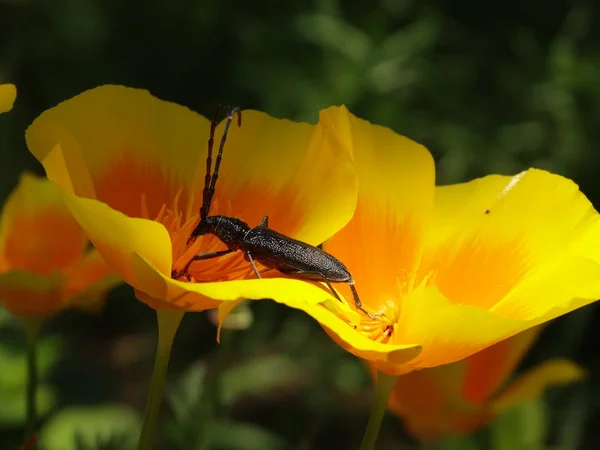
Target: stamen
(378, 329)
(144, 207)
(161, 213)
(179, 226)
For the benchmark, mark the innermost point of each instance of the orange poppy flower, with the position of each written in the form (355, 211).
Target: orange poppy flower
(449, 271)
(45, 264)
(8, 94)
(460, 397)
(132, 170)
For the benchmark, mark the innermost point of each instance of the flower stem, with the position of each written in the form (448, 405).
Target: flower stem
(32, 329)
(168, 323)
(384, 385)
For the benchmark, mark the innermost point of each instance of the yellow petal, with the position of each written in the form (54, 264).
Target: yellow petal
(383, 241)
(8, 95)
(449, 332)
(223, 312)
(137, 153)
(192, 296)
(118, 237)
(29, 295)
(562, 285)
(300, 175)
(293, 293)
(533, 383)
(118, 143)
(37, 232)
(496, 235)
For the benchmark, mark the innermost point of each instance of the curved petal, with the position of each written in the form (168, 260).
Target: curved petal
(563, 284)
(37, 232)
(150, 153)
(429, 403)
(30, 295)
(417, 401)
(8, 95)
(118, 237)
(117, 144)
(452, 398)
(382, 244)
(293, 293)
(488, 369)
(301, 176)
(449, 332)
(492, 234)
(533, 382)
(90, 281)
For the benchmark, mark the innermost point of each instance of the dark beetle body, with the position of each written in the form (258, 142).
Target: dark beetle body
(275, 250)
(292, 256)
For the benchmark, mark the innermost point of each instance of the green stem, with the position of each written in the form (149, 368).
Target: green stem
(168, 323)
(32, 329)
(384, 385)
(214, 390)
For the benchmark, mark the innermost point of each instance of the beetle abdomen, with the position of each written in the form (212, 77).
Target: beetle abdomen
(287, 254)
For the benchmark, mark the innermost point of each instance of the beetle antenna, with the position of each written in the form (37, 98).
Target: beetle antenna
(206, 197)
(211, 188)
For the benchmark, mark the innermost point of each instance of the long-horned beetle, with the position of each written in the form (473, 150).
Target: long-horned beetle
(272, 249)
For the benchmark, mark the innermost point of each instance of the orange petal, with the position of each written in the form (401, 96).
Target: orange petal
(496, 234)
(421, 397)
(117, 144)
(90, 281)
(382, 243)
(452, 398)
(118, 237)
(532, 383)
(489, 368)
(37, 232)
(429, 403)
(301, 176)
(29, 295)
(8, 95)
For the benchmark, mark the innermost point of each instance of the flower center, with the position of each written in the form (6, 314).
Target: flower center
(379, 329)
(180, 225)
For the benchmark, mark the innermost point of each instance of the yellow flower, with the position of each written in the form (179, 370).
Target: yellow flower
(44, 262)
(452, 270)
(8, 94)
(460, 397)
(132, 170)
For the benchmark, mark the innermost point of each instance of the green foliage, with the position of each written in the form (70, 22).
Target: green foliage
(523, 428)
(12, 379)
(101, 427)
(194, 401)
(240, 436)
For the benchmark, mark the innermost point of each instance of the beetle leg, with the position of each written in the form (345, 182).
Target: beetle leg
(264, 223)
(357, 301)
(251, 261)
(200, 257)
(209, 255)
(333, 291)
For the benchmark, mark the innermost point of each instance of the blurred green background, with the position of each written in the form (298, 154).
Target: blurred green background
(488, 88)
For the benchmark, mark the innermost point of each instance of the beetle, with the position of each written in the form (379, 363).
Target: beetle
(272, 249)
